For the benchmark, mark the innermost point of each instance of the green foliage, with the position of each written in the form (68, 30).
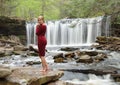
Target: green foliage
(56, 9)
(90, 8)
(30, 9)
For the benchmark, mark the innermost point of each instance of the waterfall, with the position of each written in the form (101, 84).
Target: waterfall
(70, 32)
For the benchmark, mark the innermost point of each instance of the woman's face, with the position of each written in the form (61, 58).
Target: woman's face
(40, 21)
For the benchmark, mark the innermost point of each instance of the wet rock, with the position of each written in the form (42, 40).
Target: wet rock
(32, 53)
(59, 55)
(10, 41)
(23, 55)
(31, 76)
(85, 59)
(80, 57)
(93, 71)
(2, 53)
(90, 56)
(8, 51)
(58, 58)
(90, 53)
(108, 43)
(20, 48)
(33, 62)
(69, 49)
(19, 52)
(69, 55)
(31, 48)
(100, 57)
(4, 71)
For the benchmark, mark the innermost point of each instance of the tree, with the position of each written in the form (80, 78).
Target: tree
(90, 8)
(7, 7)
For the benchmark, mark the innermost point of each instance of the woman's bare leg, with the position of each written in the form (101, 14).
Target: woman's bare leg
(44, 63)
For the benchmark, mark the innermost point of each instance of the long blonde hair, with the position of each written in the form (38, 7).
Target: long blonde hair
(41, 17)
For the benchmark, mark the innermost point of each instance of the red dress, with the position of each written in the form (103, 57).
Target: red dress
(40, 32)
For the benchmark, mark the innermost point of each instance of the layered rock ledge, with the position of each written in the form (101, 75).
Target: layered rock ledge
(30, 76)
(108, 43)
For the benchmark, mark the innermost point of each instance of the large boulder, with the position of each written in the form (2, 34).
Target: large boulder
(85, 59)
(59, 58)
(31, 76)
(4, 71)
(69, 55)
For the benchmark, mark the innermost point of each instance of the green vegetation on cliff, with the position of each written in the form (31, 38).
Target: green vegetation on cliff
(56, 9)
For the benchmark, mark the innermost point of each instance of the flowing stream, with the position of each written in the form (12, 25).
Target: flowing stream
(70, 77)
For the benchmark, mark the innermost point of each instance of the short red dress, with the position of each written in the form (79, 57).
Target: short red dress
(42, 42)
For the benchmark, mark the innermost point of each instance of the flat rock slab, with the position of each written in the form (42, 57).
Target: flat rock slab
(31, 76)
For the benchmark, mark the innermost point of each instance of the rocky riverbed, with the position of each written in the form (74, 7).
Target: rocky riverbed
(80, 66)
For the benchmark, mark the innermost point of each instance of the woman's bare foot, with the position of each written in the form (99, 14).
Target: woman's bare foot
(43, 70)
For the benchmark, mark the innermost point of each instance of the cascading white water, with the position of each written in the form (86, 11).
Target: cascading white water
(70, 32)
(93, 80)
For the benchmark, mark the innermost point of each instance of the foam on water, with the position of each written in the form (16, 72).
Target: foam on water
(93, 80)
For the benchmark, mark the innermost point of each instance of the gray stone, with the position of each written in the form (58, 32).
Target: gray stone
(2, 53)
(69, 49)
(85, 59)
(33, 62)
(19, 52)
(31, 76)
(20, 48)
(32, 53)
(69, 55)
(4, 71)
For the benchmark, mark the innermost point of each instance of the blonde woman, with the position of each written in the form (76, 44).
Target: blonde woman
(42, 42)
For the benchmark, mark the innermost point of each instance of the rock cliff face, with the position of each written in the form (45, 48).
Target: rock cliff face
(13, 26)
(115, 31)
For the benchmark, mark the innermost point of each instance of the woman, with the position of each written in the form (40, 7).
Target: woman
(40, 32)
